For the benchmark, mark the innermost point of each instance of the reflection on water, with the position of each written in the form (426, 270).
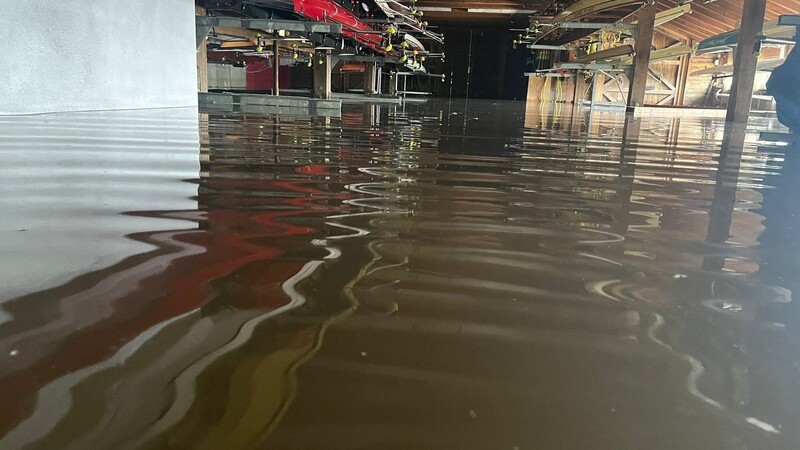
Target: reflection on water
(428, 276)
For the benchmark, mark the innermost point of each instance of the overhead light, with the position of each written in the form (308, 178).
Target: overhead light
(501, 11)
(435, 9)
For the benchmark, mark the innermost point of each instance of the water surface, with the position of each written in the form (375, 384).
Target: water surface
(440, 275)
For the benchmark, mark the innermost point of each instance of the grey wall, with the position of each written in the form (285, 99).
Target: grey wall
(78, 55)
(224, 76)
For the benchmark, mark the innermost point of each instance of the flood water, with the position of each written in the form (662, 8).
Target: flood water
(429, 276)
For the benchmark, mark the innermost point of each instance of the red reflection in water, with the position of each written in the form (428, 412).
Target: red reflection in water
(241, 254)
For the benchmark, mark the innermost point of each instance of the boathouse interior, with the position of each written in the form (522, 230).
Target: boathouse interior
(400, 224)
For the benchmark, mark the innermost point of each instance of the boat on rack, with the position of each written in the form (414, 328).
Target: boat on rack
(370, 25)
(773, 31)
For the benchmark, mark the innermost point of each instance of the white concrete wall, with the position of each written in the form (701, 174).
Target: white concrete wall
(79, 55)
(224, 76)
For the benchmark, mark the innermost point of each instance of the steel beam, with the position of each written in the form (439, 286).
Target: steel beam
(296, 26)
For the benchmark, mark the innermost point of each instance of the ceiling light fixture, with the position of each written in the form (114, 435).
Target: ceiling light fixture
(435, 9)
(501, 11)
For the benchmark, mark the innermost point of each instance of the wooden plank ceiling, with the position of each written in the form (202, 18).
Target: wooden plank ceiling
(717, 17)
(709, 18)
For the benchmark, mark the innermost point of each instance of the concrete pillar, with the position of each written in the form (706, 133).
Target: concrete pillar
(746, 61)
(643, 48)
(80, 55)
(322, 74)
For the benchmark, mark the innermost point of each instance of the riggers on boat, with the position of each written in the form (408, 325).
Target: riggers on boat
(381, 27)
(782, 86)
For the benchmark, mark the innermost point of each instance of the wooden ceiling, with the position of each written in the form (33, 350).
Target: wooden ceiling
(721, 16)
(708, 19)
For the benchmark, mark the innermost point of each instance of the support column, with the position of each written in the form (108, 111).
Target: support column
(641, 62)
(393, 84)
(598, 85)
(746, 61)
(535, 86)
(322, 75)
(202, 58)
(276, 67)
(580, 91)
(683, 78)
(370, 78)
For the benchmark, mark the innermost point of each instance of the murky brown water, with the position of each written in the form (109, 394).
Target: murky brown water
(435, 276)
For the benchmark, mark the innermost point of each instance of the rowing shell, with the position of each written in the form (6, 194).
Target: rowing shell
(726, 40)
(414, 43)
(667, 16)
(385, 8)
(582, 10)
(763, 66)
(664, 53)
(329, 11)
